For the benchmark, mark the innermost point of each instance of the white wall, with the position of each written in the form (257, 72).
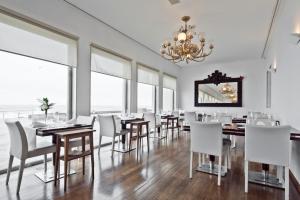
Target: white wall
(59, 14)
(254, 85)
(286, 82)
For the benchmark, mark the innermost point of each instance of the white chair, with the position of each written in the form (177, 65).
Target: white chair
(152, 122)
(189, 117)
(138, 115)
(21, 149)
(270, 145)
(110, 127)
(88, 120)
(206, 138)
(261, 122)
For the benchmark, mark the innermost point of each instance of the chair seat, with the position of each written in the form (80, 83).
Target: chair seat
(41, 148)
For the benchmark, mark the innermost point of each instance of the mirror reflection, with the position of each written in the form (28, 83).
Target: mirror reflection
(222, 93)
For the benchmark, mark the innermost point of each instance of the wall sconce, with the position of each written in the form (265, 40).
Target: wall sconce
(273, 68)
(297, 38)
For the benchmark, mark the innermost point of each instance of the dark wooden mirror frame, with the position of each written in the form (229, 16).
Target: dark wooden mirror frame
(217, 78)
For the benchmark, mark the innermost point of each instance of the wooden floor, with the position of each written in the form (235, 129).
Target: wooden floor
(161, 174)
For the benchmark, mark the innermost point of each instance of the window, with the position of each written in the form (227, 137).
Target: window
(109, 81)
(35, 62)
(147, 79)
(169, 93)
(146, 98)
(107, 93)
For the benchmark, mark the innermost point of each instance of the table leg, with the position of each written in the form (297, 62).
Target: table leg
(92, 153)
(264, 178)
(83, 158)
(66, 148)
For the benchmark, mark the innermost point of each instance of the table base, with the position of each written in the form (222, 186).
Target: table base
(269, 180)
(206, 168)
(48, 176)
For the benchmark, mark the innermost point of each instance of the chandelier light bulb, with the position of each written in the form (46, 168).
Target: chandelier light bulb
(181, 37)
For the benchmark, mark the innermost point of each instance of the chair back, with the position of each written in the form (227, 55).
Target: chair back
(18, 139)
(225, 119)
(138, 115)
(189, 117)
(152, 120)
(261, 122)
(206, 138)
(270, 145)
(175, 113)
(89, 120)
(107, 125)
(117, 121)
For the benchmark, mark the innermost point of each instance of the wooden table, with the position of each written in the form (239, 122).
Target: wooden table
(124, 122)
(139, 127)
(235, 129)
(67, 136)
(46, 175)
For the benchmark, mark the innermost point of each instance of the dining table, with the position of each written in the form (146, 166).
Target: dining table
(125, 120)
(238, 129)
(50, 130)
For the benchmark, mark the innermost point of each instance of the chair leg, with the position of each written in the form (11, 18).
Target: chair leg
(11, 159)
(22, 165)
(287, 183)
(113, 147)
(229, 157)
(45, 163)
(199, 160)
(100, 138)
(226, 161)
(219, 169)
(246, 176)
(191, 164)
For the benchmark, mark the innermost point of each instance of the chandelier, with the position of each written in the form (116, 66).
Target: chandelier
(182, 48)
(227, 89)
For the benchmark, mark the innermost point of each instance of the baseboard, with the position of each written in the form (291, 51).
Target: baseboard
(295, 181)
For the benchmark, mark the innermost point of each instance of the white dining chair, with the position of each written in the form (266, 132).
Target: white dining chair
(269, 145)
(110, 127)
(21, 149)
(206, 138)
(189, 117)
(152, 122)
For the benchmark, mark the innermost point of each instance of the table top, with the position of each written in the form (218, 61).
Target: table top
(139, 122)
(54, 128)
(239, 130)
(74, 132)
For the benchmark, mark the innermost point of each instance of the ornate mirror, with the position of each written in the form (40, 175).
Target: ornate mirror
(218, 90)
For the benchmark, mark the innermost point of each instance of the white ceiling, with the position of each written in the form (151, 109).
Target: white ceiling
(238, 28)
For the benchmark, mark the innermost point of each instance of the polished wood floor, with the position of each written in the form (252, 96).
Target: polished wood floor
(161, 174)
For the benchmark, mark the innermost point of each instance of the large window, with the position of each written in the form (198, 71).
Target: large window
(169, 93)
(146, 98)
(107, 93)
(35, 62)
(147, 79)
(110, 79)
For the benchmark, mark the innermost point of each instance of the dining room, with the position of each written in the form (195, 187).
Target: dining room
(172, 99)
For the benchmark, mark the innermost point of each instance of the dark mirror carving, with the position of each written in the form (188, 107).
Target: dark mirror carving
(218, 90)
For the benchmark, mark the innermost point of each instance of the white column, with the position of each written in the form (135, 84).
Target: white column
(133, 89)
(83, 79)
